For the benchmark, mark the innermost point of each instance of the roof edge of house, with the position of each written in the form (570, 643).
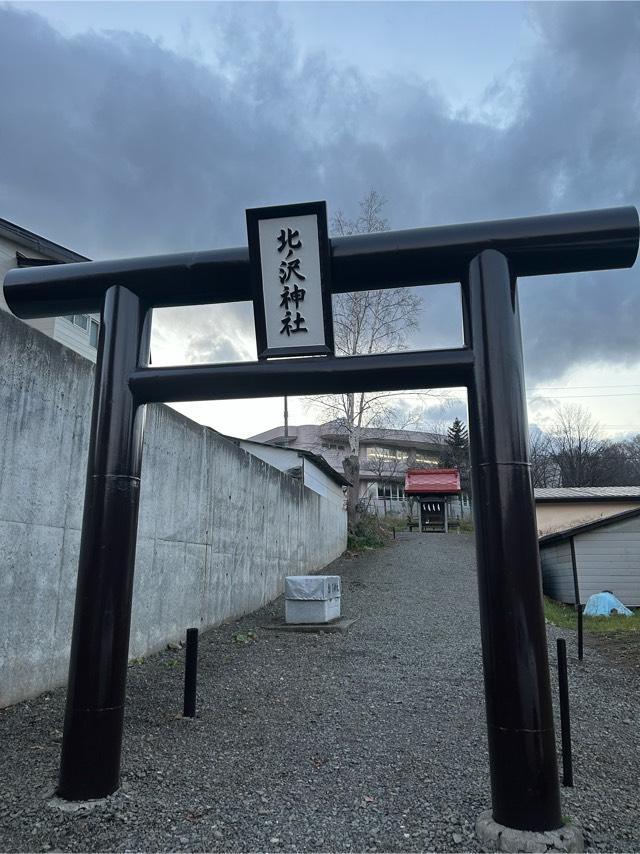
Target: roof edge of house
(34, 241)
(582, 499)
(601, 522)
(316, 459)
(432, 470)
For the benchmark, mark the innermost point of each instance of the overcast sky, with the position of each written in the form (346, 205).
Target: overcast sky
(140, 128)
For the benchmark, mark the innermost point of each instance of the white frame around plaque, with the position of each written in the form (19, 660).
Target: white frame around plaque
(291, 241)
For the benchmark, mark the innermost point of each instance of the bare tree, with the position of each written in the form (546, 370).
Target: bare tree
(632, 456)
(544, 471)
(577, 449)
(368, 322)
(573, 454)
(621, 462)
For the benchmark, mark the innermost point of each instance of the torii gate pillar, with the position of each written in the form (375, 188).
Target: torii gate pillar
(524, 774)
(90, 763)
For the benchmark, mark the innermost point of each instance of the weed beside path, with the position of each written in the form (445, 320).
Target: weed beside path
(616, 639)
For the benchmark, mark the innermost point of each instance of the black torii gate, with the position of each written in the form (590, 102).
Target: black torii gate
(486, 258)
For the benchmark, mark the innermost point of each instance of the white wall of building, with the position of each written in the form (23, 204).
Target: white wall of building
(59, 328)
(321, 483)
(73, 333)
(7, 262)
(286, 459)
(281, 458)
(555, 516)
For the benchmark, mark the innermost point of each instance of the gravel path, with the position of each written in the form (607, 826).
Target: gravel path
(370, 741)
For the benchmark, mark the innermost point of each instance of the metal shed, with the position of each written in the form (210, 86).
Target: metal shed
(590, 558)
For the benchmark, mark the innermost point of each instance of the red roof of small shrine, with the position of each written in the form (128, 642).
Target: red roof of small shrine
(432, 481)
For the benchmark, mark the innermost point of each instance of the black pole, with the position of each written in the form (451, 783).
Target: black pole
(576, 595)
(565, 721)
(286, 422)
(522, 753)
(190, 674)
(580, 609)
(90, 765)
(574, 570)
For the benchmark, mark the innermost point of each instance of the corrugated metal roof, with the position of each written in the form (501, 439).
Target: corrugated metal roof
(588, 493)
(432, 481)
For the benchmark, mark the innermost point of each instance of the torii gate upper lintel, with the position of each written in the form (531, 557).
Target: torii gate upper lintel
(486, 258)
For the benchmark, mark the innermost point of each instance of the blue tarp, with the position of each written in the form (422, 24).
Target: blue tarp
(602, 604)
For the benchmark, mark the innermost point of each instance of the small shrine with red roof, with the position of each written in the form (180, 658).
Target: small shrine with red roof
(434, 490)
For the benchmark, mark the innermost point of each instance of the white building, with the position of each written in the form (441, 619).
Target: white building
(385, 456)
(313, 470)
(22, 248)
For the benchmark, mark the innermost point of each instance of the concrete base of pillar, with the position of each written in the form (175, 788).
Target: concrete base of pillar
(79, 807)
(496, 837)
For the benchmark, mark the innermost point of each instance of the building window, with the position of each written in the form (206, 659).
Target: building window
(390, 491)
(81, 320)
(424, 460)
(94, 328)
(376, 453)
(384, 491)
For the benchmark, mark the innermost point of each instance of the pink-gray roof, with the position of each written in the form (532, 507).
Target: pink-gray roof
(432, 482)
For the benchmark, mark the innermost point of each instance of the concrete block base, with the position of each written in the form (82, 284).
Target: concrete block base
(341, 625)
(496, 837)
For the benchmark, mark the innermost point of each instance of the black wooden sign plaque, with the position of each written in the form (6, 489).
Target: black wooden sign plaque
(290, 276)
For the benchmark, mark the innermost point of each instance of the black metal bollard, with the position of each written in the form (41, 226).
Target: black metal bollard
(190, 674)
(565, 721)
(580, 609)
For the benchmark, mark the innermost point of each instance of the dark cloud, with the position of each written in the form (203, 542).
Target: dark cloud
(114, 145)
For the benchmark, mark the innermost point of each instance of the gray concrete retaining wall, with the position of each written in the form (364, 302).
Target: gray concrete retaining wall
(218, 529)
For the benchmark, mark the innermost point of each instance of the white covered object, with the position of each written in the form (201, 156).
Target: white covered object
(317, 587)
(311, 598)
(311, 610)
